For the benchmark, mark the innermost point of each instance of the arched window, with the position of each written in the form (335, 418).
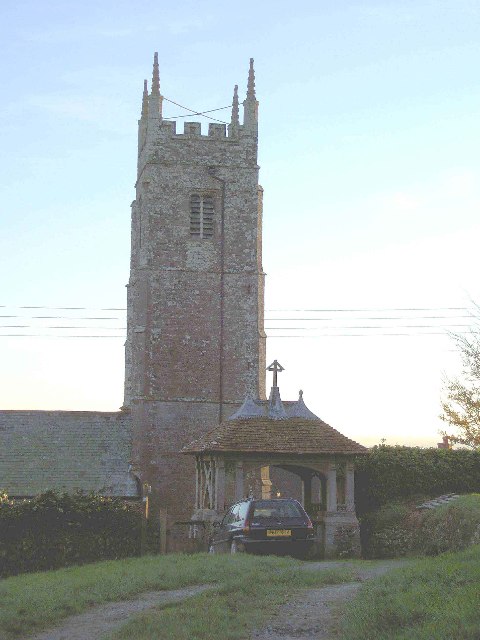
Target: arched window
(201, 216)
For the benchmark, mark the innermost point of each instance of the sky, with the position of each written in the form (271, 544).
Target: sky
(369, 125)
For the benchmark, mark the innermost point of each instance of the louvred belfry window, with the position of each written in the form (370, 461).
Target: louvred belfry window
(201, 216)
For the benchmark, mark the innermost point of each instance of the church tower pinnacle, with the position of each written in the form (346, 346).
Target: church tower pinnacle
(250, 104)
(156, 99)
(145, 100)
(235, 121)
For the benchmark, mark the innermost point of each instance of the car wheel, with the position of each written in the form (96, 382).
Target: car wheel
(234, 547)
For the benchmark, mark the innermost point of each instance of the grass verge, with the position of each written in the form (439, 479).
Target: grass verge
(32, 602)
(431, 599)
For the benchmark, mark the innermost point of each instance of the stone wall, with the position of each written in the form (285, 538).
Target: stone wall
(162, 429)
(195, 306)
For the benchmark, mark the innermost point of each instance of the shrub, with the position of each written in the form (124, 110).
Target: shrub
(55, 530)
(452, 527)
(387, 474)
(400, 529)
(385, 533)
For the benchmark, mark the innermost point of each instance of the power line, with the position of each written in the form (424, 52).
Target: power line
(270, 337)
(375, 326)
(328, 327)
(324, 310)
(44, 335)
(275, 337)
(30, 326)
(386, 309)
(197, 113)
(371, 335)
(268, 319)
(342, 324)
(451, 317)
(67, 317)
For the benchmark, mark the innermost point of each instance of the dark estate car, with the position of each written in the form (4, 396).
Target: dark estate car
(264, 526)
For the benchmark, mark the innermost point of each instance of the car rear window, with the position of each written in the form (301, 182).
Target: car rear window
(276, 509)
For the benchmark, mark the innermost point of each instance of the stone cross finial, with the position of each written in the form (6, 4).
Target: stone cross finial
(276, 367)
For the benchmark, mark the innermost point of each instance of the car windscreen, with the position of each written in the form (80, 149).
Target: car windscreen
(276, 509)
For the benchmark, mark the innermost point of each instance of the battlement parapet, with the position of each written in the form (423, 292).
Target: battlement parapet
(224, 144)
(217, 131)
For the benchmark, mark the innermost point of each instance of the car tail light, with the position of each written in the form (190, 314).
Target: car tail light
(246, 526)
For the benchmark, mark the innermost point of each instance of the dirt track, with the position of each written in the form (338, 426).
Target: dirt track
(314, 613)
(93, 624)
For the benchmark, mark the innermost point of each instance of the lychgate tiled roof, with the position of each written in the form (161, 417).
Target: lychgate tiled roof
(255, 428)
(265, 435)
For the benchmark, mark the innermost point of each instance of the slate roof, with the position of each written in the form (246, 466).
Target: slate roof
(275, 427)
(66, 451)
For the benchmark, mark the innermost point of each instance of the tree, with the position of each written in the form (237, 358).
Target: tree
(461, 407)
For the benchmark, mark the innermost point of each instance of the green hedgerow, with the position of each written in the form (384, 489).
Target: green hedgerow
(387, 474)
(55, 530)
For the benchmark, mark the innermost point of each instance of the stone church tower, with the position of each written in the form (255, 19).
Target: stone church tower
(195, 340)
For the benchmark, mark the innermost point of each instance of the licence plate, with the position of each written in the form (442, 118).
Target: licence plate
(278, 533)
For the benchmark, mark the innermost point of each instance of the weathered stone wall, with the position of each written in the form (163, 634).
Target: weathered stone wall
(167, 427)
(66, 451)
(183, 291)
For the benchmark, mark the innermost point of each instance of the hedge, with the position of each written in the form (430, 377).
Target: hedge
(400, 529)
(56, 530)
(390, 473)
